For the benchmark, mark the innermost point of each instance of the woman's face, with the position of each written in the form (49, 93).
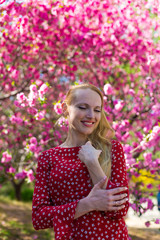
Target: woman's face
(85, 112)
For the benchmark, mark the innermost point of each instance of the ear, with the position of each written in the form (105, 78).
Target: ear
(64, 109)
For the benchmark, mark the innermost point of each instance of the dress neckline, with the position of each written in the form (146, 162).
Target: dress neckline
(76, 147)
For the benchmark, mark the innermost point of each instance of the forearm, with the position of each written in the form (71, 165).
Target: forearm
(83, 207)
(96, 172)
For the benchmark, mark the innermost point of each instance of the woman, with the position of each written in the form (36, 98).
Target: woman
(81, 186)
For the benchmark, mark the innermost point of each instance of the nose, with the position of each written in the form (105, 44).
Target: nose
(90, 113)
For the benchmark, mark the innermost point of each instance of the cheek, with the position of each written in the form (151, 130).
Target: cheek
(98, 118)
(75, 115)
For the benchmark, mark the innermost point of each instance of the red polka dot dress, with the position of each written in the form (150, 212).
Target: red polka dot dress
(61, 181)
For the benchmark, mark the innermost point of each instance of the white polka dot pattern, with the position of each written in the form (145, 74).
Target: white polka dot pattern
(61, 181)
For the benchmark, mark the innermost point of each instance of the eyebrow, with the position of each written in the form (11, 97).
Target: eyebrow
(88, 105)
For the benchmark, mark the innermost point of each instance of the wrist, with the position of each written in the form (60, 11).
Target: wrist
(88, 203)
(93, 164)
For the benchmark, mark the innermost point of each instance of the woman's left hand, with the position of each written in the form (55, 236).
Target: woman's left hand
(88, 154)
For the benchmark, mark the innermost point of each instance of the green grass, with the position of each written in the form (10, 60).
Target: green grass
(16, 224)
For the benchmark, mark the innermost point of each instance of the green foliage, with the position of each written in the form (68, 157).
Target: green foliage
(7, 190)
(27, 193)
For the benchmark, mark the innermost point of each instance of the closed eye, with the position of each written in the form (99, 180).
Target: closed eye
(84, 108)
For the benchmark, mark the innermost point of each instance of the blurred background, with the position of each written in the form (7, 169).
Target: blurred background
(47, 46)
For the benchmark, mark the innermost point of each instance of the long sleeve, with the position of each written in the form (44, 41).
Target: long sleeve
(44, 213)
(118, 178)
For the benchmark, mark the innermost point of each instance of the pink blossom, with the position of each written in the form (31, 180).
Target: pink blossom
(156, 110)
(108, 89)
(15, 119)
(32, 147)
(125, 136)
(131, 92)
(118, 107)
(156, 129)
(35, 236)
(32, 111)
(57, 134)
(147, 158)
(32, 99)
(144, 144)
(150, 204)
(142, 200)
(139, 135)
(127, 148)
(157, 221)
(136, 174)
(43, 89)
(150, 59)
(33, 88)
(150, 186)
(62, 121)
(16, 103)
(154, 133)
(40, 115)
(1, 168)
(33, 140)
(147, 224)
(21, 97)
(30, 175)
(2, 1)
(129, 160)
(115, 125)
(58, 108)
(136, 165)
(134, 206)
(6, 157)
(11, 170)
(20, 175)
(125, 123)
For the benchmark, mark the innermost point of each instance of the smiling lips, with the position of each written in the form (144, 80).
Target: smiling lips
(87, 123)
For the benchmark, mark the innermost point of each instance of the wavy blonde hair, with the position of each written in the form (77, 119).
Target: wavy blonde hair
(102, 135)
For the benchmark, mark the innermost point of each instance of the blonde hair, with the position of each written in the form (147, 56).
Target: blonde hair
(101, 136)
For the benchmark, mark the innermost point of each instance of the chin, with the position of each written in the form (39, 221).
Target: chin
(87, 133)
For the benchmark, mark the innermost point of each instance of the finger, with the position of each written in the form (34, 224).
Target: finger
(118, 190)
(119, 197)
(116, 208)
(89, 142)
(99, 151)
(119, 203)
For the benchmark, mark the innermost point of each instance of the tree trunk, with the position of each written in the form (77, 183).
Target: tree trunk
(17, 189)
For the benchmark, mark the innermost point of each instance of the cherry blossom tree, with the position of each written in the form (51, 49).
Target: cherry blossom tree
(46, 46)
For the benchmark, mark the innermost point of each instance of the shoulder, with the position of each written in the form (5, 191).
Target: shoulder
(45, 154)
(116, 146)
(46, 157)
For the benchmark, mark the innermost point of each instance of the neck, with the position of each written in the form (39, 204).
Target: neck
(75, 140)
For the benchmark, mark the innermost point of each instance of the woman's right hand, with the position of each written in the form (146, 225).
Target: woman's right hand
(106, 200)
